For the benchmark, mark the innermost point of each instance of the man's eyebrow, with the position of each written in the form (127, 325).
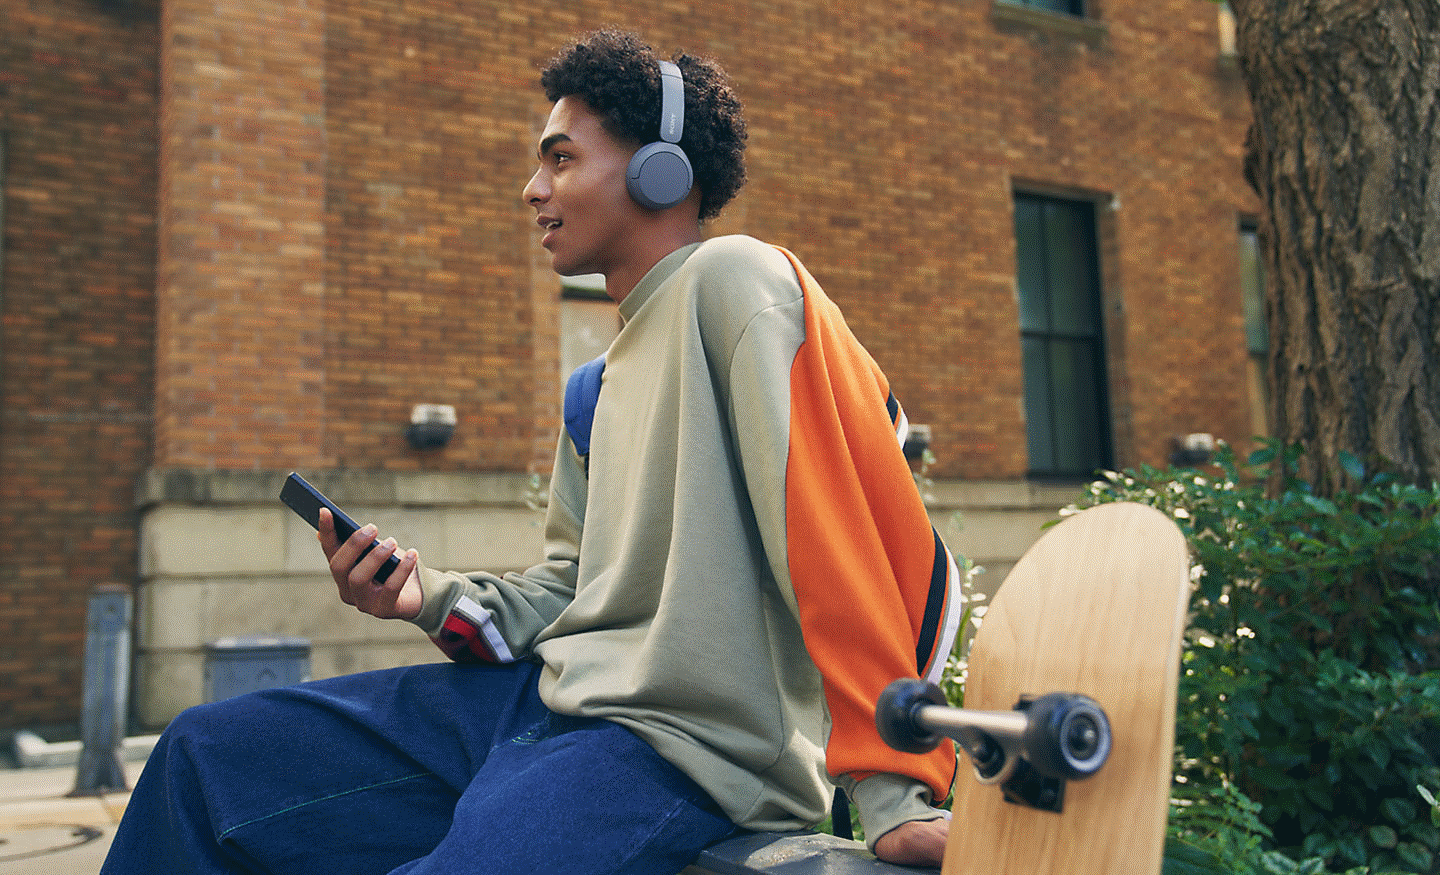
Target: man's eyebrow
(549, 143)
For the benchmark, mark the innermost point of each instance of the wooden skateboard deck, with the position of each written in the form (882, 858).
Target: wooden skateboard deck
(1096, 606)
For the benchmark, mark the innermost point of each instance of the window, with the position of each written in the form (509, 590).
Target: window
(589, 321)
(1064, 19)
(1257, 332)
(1226, 26)
(1067, 7)
(1067, 417)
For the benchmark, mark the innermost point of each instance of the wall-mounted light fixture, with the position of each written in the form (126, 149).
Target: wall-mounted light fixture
(917, 441)
(1187, 450)
(431, 426)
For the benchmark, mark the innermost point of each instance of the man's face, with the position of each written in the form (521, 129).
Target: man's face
(579, 192)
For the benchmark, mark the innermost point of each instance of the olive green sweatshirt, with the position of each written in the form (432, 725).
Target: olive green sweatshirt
(743, 562)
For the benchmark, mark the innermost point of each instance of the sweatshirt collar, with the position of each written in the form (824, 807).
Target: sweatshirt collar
(662, 271)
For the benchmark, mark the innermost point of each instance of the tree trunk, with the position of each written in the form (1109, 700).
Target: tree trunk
(1344, 154)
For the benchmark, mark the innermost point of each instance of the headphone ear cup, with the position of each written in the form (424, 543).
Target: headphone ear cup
(659, 176)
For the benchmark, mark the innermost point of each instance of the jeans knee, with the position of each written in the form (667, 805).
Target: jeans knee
(197, 719)
(203, 726)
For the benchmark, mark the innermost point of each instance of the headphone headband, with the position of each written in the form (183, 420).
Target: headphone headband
(659, 175)
(672, 102)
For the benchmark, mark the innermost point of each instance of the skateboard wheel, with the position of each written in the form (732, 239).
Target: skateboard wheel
(1068, 736)
(897, 715)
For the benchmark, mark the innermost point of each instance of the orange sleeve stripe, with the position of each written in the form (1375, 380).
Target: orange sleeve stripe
(861, 552)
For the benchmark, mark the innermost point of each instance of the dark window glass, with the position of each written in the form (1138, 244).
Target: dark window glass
(1062, 337)
(1069, 7)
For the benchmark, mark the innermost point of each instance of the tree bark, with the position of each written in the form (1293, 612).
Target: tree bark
(1344, 155)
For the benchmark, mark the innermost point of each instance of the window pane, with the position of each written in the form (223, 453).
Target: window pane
(1252, 287)
(1039, 425)
(1079, 432)
(587, 327)
(1070, 255)
(1257, 332)
(1030, 267)
(1070, 7)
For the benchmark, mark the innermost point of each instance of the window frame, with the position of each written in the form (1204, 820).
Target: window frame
(1089, 424)
(1013, 16)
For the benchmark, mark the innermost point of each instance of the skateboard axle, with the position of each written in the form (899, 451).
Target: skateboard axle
(1032, 750)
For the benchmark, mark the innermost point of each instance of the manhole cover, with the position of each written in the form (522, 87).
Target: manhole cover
(35, 840)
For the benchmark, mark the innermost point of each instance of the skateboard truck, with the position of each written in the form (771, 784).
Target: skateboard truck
(1030, 751)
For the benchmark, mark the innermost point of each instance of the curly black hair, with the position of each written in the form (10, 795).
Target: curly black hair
(618, 78)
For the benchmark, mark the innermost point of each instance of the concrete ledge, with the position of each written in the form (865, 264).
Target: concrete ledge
(34, 752)
(347, 487)
(770, 853)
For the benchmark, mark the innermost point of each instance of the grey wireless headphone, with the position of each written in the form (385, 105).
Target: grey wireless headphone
(659, 175)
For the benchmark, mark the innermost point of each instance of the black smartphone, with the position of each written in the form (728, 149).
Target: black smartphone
(306, 500)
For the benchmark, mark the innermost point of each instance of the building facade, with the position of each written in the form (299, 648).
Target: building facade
(247, 237)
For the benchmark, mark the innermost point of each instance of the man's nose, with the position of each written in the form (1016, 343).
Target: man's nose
(536, 191)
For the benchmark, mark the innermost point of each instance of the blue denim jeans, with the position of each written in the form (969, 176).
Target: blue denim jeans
(427, 769)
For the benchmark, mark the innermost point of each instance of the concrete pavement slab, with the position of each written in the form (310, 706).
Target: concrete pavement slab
(44, 831)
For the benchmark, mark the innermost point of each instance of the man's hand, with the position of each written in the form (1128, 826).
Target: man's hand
(398, 598)
(915, 843)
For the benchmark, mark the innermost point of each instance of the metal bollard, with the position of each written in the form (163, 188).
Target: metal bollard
(106, 691)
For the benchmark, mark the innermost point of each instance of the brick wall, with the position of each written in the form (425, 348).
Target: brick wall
(241, 304)
(891, 172)
(77, 114)
(887, 141)
(330, 191)
(431, 111)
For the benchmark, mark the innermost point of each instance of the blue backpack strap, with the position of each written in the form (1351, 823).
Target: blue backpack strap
(582, 393)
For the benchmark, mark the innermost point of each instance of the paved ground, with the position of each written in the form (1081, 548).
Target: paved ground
(45, 832)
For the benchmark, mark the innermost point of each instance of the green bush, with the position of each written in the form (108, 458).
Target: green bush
(1309, 720)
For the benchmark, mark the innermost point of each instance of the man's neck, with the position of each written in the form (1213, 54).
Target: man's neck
(670, 236)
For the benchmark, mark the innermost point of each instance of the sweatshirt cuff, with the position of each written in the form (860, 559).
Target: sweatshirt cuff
(886, 800)
(439, 595)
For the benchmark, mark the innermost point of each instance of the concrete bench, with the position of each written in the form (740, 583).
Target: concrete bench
(804, 853)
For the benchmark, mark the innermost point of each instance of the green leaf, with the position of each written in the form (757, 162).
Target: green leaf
(1322, 505)
(1276, 863)
(1378, 752)
(1383, 837)
(1416, 856)
(1320, 796)
(1183, 858)
(1352, 847)
(1426, 833)
(1352, 466)
(1399, 811)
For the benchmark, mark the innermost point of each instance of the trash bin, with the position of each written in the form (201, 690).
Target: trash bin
(244, 665)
